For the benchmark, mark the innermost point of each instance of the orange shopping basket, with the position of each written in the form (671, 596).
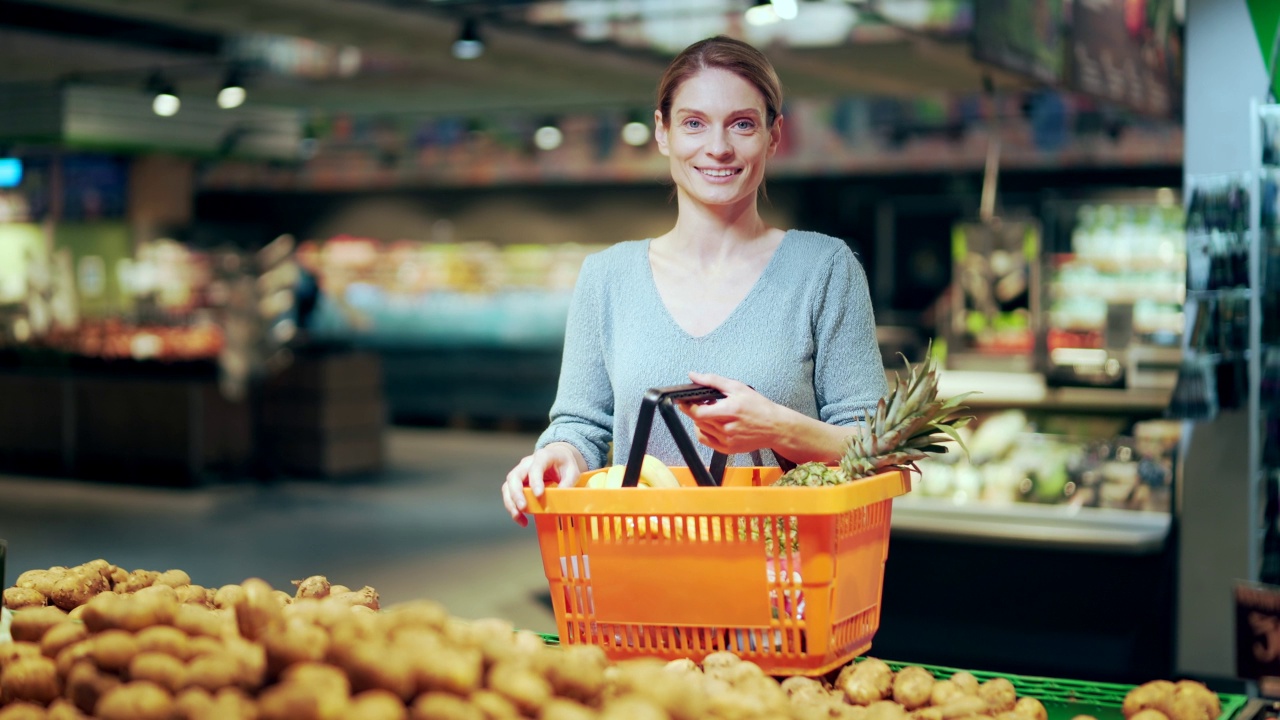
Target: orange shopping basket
(787, 577)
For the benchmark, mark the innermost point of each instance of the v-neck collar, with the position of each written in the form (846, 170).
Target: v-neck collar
(737, 310)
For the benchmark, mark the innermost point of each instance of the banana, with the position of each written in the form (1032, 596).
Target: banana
(655, 474)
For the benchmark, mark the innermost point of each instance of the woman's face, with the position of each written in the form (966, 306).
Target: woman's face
(717, 138)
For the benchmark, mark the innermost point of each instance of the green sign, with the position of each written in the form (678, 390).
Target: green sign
(1266, 19)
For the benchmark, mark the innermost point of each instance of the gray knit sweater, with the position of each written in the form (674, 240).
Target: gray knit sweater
(804, 337)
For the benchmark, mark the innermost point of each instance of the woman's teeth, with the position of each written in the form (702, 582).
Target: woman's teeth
(719, 173)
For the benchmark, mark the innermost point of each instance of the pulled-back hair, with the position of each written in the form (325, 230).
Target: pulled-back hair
(724, 53)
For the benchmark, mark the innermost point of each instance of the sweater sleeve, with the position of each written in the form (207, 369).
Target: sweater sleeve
(582, 414)
(849, 376)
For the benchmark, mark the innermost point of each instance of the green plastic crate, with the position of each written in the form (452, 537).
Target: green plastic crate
(1065, 699)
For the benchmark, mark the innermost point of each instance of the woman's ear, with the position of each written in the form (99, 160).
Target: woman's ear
(660, 132)
(775, 136)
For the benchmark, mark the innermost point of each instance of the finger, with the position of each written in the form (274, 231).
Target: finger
(516, 515)
(537, 469)
(723, 384)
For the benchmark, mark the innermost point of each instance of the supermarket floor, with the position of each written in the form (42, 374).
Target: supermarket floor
(431, 525)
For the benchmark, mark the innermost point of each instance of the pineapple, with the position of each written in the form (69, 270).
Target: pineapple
(909, 424)
(811, 474)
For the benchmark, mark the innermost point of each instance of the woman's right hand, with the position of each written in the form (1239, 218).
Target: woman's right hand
(558, 462)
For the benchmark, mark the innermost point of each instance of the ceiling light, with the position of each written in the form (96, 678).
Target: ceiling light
(232, 94)
(548, 137)
(165, 102)
(761, 13)
(786, 9)
(469, 46)
(635, 133)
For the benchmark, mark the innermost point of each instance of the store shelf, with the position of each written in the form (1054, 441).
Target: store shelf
(1029, 390)
(1034, 526)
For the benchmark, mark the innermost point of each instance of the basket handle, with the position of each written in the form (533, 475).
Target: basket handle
(662, 399)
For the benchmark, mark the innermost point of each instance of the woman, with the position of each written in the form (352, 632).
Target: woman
(780, 322)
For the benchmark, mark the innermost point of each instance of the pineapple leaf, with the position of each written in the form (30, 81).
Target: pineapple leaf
(951, 432)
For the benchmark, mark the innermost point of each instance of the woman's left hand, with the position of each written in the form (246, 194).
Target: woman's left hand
(740, 422)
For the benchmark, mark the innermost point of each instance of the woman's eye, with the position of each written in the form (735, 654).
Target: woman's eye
(693, 124)
(744, 125)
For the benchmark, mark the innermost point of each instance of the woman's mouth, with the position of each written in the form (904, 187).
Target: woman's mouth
(719, 172)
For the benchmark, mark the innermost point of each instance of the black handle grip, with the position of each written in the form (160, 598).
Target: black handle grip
(662, 399)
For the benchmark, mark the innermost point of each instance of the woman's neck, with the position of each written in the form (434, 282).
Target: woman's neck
(716, 233)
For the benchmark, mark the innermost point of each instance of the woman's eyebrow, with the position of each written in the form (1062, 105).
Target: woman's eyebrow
(694, 111)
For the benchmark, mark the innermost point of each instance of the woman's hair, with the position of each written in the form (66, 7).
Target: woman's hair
(724, 53)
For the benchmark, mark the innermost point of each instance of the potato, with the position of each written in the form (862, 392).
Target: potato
(135, 701)
(1194, 701)
(321, 677)
(118, 576)
(293, 643)
(295, 701)
(1154, 695)
(966, 705)
(370, 667)
(801, 684)
(450, 670)
(886, 710)
(945, 692)
(194, 595)
(163, 639)
(72, 654)
(86, 685)
(100, 566)
(927, 713)
(103, 612)
(113, 650)
(136, 580)
(720, 659)
(63, 709)
(562, 709)
(966, 681)
(579, 673)
(418, 613)
(227, 596)
(233, 704)
(22, 711)
(366, 596)
(42, 581)
(173, 578)
(1149, 714)
(31, 679)
(212, 671)
(999, 694)
(338, 589)
(494, 706)
(866, 682)
(913, 687)
(526, 689)
(13, 651)
(31, 625)
(60, 636)
(203, 645)
(256, 610)
(195, 620)
(193, 704)
(632, 708)
(376, 705)
(1032, 709)
(443, 706)
(164, 670)
(316, 586)
(20, 598)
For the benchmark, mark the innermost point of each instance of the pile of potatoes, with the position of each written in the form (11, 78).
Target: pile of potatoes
(870, 690)
(129, 645)
(1167, 700)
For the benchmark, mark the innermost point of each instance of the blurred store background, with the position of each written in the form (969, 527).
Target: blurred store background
(316, 249)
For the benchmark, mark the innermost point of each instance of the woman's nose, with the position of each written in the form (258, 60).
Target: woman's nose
(718, 144)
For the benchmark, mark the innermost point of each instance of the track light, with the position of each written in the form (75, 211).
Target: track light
(636, 132)
(165, 102)
(469, 46)
(548, 137)
(761, 13)
(232, 94)
(767, 12)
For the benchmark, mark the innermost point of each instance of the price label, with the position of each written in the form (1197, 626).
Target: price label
(1257, 630)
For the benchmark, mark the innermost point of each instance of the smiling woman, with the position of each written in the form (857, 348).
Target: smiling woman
(779, 321)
